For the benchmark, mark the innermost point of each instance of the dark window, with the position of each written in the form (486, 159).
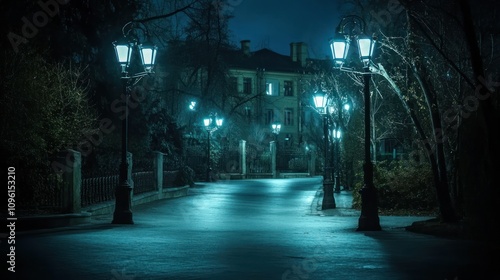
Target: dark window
(288, 88)
(233, 84)
(288, 116)
(248, 113)
(288, 140)
(269, 116)
(247, 85)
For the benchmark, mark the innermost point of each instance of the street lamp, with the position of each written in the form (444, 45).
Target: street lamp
(369, 219)
(211, 123)
(192, 105)
(320, 102)
(124, 50)
(336, 111)
(276, 128)
(336, 135)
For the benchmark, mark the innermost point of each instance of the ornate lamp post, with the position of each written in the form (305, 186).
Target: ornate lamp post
(369, 219)
(336, 135)
(336, 111)
(275, 129)
(124, 50)
(211, 123)
(320, 102)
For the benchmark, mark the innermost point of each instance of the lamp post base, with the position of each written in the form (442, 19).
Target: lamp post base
(369, 220)
(123, 214)
(328, 199)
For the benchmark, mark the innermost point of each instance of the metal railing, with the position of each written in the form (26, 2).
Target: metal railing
(143, 182)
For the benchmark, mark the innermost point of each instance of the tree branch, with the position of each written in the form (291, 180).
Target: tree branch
(165, 15)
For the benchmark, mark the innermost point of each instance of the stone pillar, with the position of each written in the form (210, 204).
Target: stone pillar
(312, 163)
(158, 171)
(71, 181)
(272, 146)
(243, 158)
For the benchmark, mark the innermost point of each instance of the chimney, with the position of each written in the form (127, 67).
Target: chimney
(302, 54)
(298, 52)
(245, 47)
(293, 51)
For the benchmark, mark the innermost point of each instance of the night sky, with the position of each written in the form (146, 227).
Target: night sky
(274, 24)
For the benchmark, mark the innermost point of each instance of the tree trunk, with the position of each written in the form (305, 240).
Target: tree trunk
(478, 148)
(437, 174)
(438, 162)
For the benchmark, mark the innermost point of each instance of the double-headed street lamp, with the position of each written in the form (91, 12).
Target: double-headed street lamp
(276, 128)
(125, 50)
(354, 27)
(320, 102)
(211, 123)
(336, 110)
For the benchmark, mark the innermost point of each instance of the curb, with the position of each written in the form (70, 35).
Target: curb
(43, 223)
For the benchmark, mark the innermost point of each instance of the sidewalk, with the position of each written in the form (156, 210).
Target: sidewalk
(169, 238)
(343, 201)
(419, 224)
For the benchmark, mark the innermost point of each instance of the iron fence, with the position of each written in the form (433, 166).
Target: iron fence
(292, 160)
(100, 189)
(143, 182)
(46, 196)
(169, 178)
(258, 158)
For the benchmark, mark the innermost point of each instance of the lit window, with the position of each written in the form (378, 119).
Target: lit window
(272, 88)
(269, 89)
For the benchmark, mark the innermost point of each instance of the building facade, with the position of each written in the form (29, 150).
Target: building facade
(272, 85)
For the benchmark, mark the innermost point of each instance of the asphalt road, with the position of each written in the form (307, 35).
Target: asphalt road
(244, 229)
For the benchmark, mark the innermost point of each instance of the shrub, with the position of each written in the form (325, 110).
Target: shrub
(184, 177)
(402, 188)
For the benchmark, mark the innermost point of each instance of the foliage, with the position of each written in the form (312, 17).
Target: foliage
(44, 110)
(402, 187)
(185, 176)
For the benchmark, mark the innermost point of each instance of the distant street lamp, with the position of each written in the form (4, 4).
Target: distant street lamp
(276, 128)
(124, 50)
(336, 111)
(211, 123)
(192, 105)
(320, 102)
(369, 219)
(336, 135)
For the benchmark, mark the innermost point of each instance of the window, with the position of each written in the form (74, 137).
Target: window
(288, 140)
(288, 88)
(288, 116)
(272, 88)
(247, 85)
(233, 84)
(269, 116)
(248, 113)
